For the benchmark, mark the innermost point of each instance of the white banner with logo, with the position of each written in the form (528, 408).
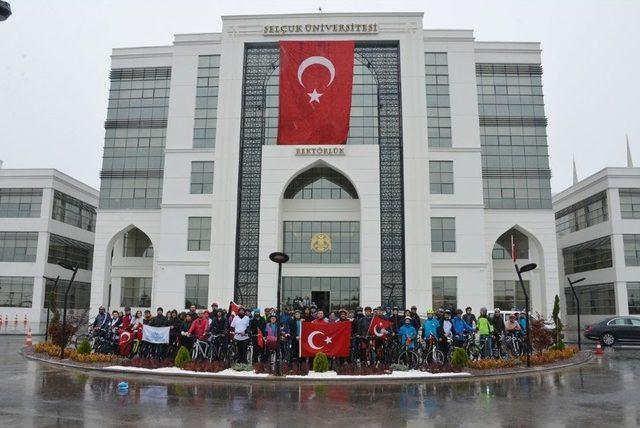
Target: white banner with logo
(155, 334)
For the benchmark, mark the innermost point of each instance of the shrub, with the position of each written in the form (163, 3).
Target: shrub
(241, 367)
(182, 357)
(558, 346)
(459, 358)
(320, 363)
(84, 348)
(540, 337)
(399, 368)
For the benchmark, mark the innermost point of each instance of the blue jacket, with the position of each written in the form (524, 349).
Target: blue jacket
(523, 324)
(431, 327)
(406, 332)
(460, 326)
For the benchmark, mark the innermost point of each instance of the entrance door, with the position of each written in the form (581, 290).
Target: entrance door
(321, 299)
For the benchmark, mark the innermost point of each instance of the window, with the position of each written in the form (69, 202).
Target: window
(199, 234)
(597, 299)
(344, 292)
(18, 246)
(633, 297)
(135, 133)
(438, 105)
(513, 136)
(201, 177)
(443, 234)
(583, 214)
(587, 256)
(320, 183)
(363, 122)
(20, 202)
(441, 177)
(508, 295)
(502, 247)
(137, 244)
(136, 292)
(196, 291)
(73, 211)
(631, 249)
(444, 291)
(16, 291)
(204, 127)
(79, 294)
(322, 241)
(70, 251)
(629, 203)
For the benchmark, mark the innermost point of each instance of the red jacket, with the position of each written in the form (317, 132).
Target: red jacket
(199, 327)
(126, 322)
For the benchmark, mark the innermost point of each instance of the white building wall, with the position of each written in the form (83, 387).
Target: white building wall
(48, 180)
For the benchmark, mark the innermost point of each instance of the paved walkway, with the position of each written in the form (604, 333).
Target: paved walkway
(602, 393)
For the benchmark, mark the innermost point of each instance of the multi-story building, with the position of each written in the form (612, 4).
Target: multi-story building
(598, 227)
(445, 162)
(46, 217)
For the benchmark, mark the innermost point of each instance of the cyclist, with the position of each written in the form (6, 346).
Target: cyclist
(146, 319)
(103, 320)
(239, 326)
(126, 319)
(319, 318)
(431, 326)
(408, 334)
(159, 320)
(512, 326)
(522, 320)
(485, 329)
(460, 327)
(415, 318)
(447, 332)
(498, 327)
(469, 317)
(136, 323)
(199, 327)
(272, 329)
(396, 319)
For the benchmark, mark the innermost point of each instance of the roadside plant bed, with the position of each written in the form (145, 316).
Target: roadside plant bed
(549, 357)
(53, 350)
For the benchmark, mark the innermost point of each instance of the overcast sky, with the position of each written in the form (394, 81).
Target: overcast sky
(54, 64)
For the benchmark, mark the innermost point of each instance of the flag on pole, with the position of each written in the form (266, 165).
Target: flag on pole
(233, 308)
(513, 249)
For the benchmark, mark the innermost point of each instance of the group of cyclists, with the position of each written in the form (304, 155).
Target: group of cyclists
(249, 336)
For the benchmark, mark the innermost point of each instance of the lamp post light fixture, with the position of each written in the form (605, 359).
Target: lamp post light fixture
(63, 334)
(575, 296)
(280, 258)
(53, 290)
(5, 10)
(520, 271)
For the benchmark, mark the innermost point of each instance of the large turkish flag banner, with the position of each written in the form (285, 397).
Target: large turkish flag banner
(332, 338)
(316, 79)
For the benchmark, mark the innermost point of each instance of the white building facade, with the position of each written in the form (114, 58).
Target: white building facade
(46, 217)
(446, 160)
(598, 226)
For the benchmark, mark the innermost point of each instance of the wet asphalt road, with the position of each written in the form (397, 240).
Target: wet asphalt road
(602, 393)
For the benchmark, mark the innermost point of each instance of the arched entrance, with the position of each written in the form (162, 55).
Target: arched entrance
(320, 214)
(129, 270)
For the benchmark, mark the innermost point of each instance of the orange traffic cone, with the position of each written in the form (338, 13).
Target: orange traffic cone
(25, 320)
(599, 350)
(0, 319)
(15, 320)
(28, 341)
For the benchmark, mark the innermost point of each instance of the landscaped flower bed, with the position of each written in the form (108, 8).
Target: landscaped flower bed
(537, 359)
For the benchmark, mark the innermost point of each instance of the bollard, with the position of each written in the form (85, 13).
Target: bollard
(28, 341)
(25, 320)
(15, 321)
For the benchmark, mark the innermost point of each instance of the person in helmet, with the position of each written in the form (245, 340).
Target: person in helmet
(431, 326)
(447, 332)
(485, 328)
(408, 334)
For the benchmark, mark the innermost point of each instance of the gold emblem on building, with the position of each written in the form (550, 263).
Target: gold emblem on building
(320, 243)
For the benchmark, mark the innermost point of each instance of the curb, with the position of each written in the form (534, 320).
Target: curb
(382, 378)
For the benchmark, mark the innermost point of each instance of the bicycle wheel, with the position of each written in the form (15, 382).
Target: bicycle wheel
(436, 356)
(474, 352)
(409, 359)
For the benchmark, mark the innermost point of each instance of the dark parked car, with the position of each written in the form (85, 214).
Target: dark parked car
(615, 329)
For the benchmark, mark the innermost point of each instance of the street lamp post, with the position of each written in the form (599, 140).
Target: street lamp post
(575, 296)
(280, 258)
(53, 290)
(63, 341)
(520, 271)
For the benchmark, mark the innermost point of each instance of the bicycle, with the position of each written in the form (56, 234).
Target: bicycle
(432, 354)
(514, 344)
(201, 349)
(471, 348)
(408, 356)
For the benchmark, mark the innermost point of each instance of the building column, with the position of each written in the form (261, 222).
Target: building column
(622, 299)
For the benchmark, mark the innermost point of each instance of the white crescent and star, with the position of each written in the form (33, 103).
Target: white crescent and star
(327, 340)
(314, 96)
(378, 333)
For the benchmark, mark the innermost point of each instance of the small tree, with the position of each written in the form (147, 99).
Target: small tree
(84, 348)
(182, 357)
(320, 363)
(557, 340)
(540, 337)
(459, 358)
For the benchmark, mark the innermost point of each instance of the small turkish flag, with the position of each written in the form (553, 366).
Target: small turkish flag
(379, 327)
(260, 339)
(316, 81)
(233, 308)
(332, 338)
